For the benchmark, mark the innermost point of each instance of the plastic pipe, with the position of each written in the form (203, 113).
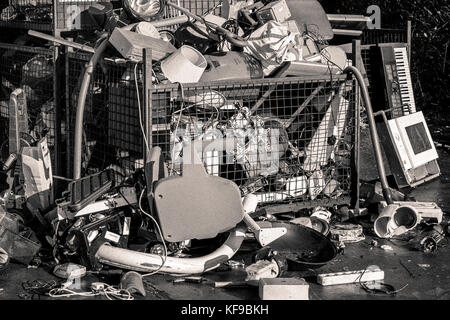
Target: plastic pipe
(373, 133)
(170, 21)
(144, 262)
(81, 104)
(394, 217)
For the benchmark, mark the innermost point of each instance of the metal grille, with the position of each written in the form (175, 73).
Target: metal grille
(196, 7)
(30, 69)
(27, 14)
(376, 36)
(297, 145)
(200, 7)
(287, 140)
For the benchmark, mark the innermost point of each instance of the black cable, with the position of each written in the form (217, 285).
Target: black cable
(38, 288)
(389, 289)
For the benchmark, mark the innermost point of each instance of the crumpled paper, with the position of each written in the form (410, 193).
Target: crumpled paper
(274, 44)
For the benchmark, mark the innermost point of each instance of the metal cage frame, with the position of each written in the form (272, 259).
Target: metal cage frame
(32, 69)
(113, 130)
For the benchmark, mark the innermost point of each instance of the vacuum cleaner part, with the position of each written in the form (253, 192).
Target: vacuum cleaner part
(231, 66)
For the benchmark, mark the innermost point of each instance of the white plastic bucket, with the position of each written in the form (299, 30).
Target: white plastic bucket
(186, 65)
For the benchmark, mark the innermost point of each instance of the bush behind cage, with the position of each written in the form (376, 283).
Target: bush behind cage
(31, 69)
(296, 147)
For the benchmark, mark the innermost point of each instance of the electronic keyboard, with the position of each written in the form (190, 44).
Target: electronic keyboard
(399, 93)
(404, 80)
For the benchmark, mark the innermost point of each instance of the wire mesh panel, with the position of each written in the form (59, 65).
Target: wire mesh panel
(27, 14)
(198, 7)
(367, 59)
(286, 140)
(201, 7)
(30, 69)
(112, 136)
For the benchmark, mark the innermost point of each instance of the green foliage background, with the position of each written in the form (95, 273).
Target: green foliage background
(430, 44)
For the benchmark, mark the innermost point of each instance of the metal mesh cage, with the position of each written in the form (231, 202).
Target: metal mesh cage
(111, 135)
(286, 140)
(366, 56)
(30, 69)
(70, 14)
(27, 14)
(200, 6)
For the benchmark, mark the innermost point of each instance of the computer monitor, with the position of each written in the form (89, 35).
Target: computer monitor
(413, 140)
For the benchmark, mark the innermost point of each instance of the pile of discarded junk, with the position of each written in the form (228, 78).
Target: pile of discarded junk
(176, 212)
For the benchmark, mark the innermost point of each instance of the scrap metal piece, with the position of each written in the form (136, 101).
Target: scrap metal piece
(347, 233)
(4, 259)
(265, 236)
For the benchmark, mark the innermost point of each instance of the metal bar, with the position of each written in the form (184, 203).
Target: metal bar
(409, 39)
(36, 50)
(57, 98)
(255, 82)
(356, 52)
(347, 17)
(67, 116)
(170, 21)
(300, 109)
(61, 41)
(346, 32)
(147, 55)
(267, 94)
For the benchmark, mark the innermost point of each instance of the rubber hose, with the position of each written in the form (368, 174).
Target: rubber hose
(373, 133)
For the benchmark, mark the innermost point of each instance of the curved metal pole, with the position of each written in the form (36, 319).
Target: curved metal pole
(373, 133)
(81, 104)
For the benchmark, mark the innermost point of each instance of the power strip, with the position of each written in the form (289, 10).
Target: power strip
(338, 278)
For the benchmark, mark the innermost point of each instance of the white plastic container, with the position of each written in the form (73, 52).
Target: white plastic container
(186, 65)
(394, 217)
(147, 29)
